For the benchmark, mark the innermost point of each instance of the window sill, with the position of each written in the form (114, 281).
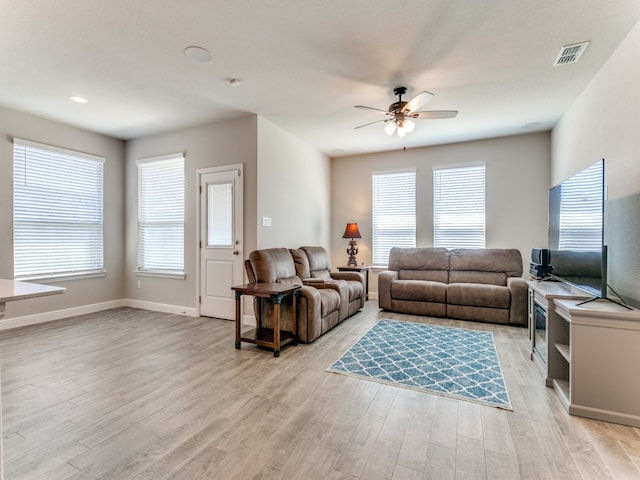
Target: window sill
(161, 274)
(64, 277)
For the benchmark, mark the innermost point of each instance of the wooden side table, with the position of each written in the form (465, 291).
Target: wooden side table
(267, 337)
(360, 269)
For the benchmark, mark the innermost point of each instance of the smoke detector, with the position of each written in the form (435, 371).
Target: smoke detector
(570, 53)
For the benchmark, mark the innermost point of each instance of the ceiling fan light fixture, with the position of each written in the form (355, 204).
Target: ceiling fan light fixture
(390, 127)
(408, 125)
(402, 113)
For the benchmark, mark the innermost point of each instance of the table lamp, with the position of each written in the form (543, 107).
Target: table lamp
(352, 232)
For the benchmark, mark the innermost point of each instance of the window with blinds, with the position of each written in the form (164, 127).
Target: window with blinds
(161, 215)
(57, 212)
(393, 213)
(459, 207)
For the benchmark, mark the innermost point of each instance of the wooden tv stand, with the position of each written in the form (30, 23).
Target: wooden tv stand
(595, 369)
(542, 295)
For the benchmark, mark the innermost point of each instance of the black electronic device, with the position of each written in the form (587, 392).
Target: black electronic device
(540, 256)
(540, 272)
(576, 220)
(576, 232)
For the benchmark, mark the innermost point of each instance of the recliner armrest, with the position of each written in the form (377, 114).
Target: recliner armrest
(385, 279)
(519, 299)
(349, 276)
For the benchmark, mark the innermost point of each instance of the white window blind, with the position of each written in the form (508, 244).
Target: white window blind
(459, 207)
(394, 213)
(581, 210)
(57, 211)
(161, 214)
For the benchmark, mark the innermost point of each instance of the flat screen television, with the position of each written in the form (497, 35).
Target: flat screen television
(578, 255)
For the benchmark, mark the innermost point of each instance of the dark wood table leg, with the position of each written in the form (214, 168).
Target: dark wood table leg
(276, 299)
(294, 318)
(238, 317)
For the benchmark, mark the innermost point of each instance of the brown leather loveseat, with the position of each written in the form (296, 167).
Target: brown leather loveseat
(325, 298)
(470, 284)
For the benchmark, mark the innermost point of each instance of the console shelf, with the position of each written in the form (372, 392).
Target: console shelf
(545, 332)
(595, 370)
(564, 351)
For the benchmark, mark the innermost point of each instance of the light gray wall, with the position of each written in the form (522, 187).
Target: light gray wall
(604, 123)
(80, 291)
(211, 145)
(293, 190)
(517, 181)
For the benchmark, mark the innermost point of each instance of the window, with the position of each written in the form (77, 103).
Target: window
(57, 212)
(394, 213)
(459, 207)
(161, 215)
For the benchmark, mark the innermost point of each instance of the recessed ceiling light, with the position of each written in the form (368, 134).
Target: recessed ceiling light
(78, 99)
(198, 54)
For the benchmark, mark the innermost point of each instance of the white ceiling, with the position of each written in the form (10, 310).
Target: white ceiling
(304, 64)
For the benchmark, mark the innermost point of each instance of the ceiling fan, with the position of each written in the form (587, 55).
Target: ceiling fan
(401, 113)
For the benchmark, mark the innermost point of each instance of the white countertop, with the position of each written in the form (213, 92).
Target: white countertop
(11, 290)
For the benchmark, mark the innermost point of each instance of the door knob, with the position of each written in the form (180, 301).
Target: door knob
(236, 252)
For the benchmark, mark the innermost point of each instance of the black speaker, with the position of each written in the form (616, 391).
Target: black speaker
(540, 256)
(539, 272)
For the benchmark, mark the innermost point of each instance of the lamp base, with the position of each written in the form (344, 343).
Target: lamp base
(352, 251)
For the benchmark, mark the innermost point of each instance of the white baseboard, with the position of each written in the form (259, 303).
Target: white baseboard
(161, 307)
(44, 317)
(58, 314)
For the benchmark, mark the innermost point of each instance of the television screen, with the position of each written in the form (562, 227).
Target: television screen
(576, 218)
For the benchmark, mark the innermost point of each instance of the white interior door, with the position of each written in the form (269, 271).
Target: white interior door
(221, 256)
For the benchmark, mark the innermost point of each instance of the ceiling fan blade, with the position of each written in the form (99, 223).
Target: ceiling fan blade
(362, 107)
(433, 114)
(417, 102)
(373, 123)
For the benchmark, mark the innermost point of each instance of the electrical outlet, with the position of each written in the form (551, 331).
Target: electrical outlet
(139, 283)
(266, 221)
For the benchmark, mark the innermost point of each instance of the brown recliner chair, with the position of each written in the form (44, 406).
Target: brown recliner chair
(313, 264)
(319, 307)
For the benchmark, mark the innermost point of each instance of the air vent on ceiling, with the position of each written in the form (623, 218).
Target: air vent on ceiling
(570, 53)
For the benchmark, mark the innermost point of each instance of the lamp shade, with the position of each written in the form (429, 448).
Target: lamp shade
(351, 231)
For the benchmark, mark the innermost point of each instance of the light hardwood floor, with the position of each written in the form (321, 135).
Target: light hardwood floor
(133, 394)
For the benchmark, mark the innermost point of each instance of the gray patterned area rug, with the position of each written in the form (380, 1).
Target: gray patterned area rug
(453, 362)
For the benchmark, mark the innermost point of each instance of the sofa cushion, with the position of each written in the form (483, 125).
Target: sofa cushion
(329, 301)
(466, 276)
(478, 295)
(301, 263)
(419, 290)
(356, 290)
(319, 264)
(504, 260)
(418, 259)
(441, 276)
(273, 265)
